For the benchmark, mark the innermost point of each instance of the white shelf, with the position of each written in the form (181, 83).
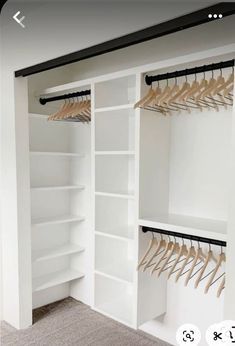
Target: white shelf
(122, 233)
(54, 153)
(56, 220)
(38, 116)
(65, 187)
(116, 152)
(120, 270)
(214, 229)
(115, 108)
(54, 279)
(123, 272)
(64, 250)
(120, 194)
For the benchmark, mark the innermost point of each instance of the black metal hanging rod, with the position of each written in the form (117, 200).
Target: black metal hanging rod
(146, 229)
(43, 101)
(201, 69)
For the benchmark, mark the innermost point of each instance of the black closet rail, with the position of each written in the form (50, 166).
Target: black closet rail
(43, 101)
(200, 69)
(146, 229)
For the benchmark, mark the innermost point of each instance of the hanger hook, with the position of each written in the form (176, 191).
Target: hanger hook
(176, 75)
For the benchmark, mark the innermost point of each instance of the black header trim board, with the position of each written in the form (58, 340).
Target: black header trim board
(180, 23)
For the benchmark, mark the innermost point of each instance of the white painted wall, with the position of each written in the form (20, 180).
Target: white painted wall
(49, 35)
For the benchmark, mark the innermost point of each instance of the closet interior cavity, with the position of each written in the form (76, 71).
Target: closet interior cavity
(108, 166)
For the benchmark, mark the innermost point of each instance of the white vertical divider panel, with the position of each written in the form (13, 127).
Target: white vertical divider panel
(229, 298)
(93, 95)
(136, 204)
(24, 286)
(151, 291)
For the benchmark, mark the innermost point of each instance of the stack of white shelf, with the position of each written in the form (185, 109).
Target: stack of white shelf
(115, 196)
(53, 187)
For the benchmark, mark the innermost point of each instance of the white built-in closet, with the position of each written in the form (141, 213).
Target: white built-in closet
(92, 187)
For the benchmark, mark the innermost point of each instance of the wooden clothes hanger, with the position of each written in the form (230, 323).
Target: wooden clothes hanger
(183, 251)
(55, 115)
(149, 94)
(221, 287)
(210, 257)
(221, 259)
(174, 250)
(168, 247)
(199, 258)
(161, 245)
(191, 254)
(153, 242)
(227, 83)
(160, 248)
(153, 97)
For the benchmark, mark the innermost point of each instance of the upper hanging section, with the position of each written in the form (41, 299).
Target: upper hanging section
(77, 108)
(207, 93)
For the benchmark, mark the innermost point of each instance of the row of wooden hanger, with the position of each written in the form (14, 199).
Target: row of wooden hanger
(76, 110)
(208, 93)
(180, 260)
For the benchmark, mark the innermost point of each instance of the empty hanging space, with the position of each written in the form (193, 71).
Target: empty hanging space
(184, 165)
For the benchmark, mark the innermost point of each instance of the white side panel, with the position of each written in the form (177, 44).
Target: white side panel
(23, 201)
(229, 306)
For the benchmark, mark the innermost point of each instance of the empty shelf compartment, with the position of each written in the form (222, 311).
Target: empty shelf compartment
(114, 258)
(114, 299)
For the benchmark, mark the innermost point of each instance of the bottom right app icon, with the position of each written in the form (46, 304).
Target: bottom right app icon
(221, 334)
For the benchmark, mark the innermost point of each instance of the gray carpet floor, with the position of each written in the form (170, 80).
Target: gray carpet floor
(69, 323)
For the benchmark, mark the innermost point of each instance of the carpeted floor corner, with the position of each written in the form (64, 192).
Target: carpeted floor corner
(70, 323)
